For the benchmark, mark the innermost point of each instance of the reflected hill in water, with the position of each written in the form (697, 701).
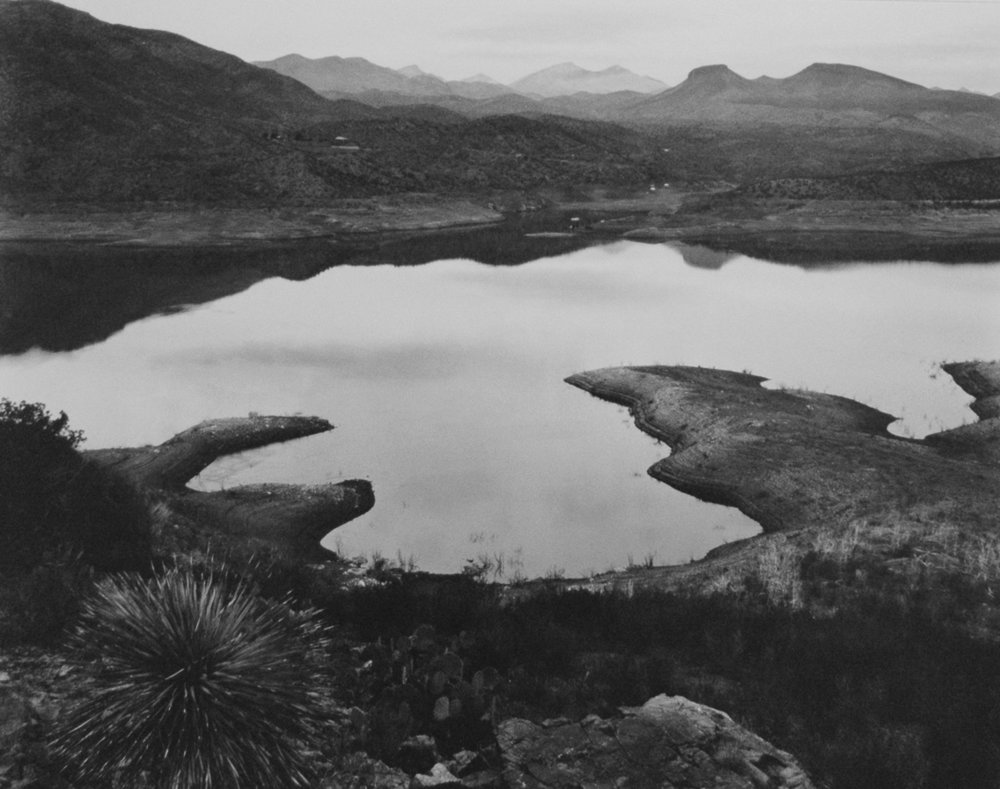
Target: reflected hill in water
(61, 297)
(824, 249)
(699, 256)
(64, 297)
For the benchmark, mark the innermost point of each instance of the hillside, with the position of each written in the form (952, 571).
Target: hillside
(499, 152)
(102, 112)
(107, 114)
(832, 96)
(966, 180)
(828, 119)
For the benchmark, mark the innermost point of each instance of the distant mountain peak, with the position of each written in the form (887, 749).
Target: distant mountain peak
(714, 72)
(484, 78)
(821, 93)
(355, 75)
(413, 71)
(292, 57)
(709, 80)
(564, 79)
(831, 68)
(559, 69)
(833, 74)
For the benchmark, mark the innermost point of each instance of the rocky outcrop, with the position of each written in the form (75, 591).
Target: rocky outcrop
(667, 743)
(288, 520)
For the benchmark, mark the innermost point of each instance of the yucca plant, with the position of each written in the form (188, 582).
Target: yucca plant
(200, 684)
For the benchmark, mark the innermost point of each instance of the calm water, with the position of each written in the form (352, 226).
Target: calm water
(445, 382)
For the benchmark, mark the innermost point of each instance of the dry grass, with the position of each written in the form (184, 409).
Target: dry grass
(778, 572)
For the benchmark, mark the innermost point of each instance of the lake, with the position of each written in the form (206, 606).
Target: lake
(444, 376)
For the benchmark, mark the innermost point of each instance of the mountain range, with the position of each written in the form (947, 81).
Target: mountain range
(827, 116)
(337, 76)
(848, 95)
(820, 93)
(103, 113)
(344, 76)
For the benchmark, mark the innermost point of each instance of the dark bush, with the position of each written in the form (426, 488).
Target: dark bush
(200, 684)
(37, 605)
(53, 501)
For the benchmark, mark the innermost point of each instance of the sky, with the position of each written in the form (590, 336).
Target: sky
(936, 43)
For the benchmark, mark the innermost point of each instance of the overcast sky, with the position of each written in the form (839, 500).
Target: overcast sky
(937, 43)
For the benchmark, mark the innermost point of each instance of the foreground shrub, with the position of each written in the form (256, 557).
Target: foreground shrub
(53, 501)
(37, 604)
(201, 685)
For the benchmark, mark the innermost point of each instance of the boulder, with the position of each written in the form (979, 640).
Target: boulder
(667, 742)
(438, 776)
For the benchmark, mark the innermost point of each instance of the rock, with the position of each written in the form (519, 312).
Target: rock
(668, 742)
(439, 776)
(462, 761)
(361, 772)
(16, 713)
(417, 754)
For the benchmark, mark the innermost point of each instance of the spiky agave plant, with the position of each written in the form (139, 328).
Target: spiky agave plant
(201, 684)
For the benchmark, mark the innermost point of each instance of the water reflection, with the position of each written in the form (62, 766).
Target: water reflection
(445, 382)
(61, 297)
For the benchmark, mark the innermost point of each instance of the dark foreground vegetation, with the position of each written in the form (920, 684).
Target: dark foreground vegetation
(885, 693)
(872, 678)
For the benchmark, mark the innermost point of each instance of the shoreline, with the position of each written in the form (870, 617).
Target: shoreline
(804, 232)
(181, 226)
(814, 470)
